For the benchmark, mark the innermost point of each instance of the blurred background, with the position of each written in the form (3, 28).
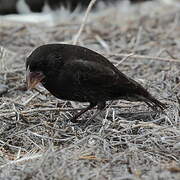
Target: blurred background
(50, 11)
(27, 6)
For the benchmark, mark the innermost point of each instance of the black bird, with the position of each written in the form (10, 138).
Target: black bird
(76, 73)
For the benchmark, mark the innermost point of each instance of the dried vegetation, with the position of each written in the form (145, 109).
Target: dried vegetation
(128, 140)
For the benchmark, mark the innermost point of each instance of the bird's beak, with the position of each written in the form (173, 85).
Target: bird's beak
(33, 78)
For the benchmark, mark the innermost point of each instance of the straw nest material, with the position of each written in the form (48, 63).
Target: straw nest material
(128, 140)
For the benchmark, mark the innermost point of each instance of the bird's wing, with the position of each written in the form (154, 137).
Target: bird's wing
(88, 73)
(107, 81)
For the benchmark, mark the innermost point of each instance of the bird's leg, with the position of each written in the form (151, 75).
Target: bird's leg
(101, 105)
(74, 118)
(100, 108)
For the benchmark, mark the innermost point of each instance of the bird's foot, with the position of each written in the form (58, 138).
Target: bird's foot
(87, 122)
(73, 119)
(83, 123)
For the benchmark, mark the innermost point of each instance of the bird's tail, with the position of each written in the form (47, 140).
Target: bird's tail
(152, 102)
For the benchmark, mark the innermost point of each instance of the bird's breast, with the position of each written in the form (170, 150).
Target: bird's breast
(65, 89)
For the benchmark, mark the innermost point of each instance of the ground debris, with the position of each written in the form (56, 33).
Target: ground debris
(128, 140)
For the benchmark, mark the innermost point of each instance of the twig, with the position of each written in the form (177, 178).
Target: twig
(102, 43)
(9, 113)
(23, 159)
(30, 98)
(143, 57)
(126, 57)
(12, 70)
(83, 22)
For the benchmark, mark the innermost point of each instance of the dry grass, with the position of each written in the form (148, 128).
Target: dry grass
(128, 140)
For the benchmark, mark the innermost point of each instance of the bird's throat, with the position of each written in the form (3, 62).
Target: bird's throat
(33, 78)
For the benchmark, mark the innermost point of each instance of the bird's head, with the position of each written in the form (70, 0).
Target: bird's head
(42, 63)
